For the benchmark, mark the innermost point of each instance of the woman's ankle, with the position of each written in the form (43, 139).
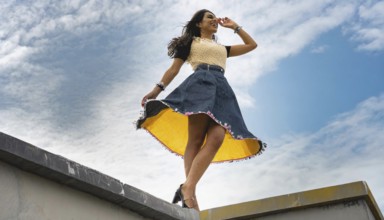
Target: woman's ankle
(189, 187)
(188, 190)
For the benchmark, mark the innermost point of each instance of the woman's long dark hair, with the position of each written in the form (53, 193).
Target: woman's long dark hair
(190, 30)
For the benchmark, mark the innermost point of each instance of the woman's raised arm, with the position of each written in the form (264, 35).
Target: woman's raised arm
(249, 42)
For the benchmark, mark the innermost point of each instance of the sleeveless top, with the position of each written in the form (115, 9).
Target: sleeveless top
(202, 50)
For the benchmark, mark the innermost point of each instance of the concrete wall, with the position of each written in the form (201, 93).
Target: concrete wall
(351, 201)
(36, 184)
(354, 210)
(25, 196)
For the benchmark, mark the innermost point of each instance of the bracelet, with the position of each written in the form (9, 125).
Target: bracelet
(161, 86)
(237, 29)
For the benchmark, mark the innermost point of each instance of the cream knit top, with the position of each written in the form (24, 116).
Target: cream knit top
(207, 51)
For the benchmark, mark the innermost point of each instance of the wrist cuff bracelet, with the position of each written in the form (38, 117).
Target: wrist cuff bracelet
(161, 86)
(237, 29)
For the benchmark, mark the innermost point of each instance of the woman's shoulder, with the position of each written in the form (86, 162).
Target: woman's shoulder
(182, 50)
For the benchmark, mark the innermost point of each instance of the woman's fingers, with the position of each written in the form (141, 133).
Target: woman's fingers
(225, 22)
(143, 101)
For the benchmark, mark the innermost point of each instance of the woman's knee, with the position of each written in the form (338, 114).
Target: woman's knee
(197, 126)
(215, 135)
(195, 142)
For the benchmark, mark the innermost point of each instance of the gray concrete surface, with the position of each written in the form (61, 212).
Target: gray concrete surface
(350, 201)
(25, 196)
(353, 210)
(36, 184)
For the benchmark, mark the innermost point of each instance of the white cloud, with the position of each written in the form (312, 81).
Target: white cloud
(143, 29)
(348, 149)
(368, 30)
(283, 30)
(43, 49)
(319, 49)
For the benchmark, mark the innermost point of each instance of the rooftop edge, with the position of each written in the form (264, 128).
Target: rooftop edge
(295, 201)
(64, 171)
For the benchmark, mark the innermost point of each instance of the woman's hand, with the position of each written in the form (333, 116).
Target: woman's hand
(226, 22)
(240, 49)
(151, 95)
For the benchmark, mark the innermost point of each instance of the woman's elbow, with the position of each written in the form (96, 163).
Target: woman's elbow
(250, 47)
(253, 46)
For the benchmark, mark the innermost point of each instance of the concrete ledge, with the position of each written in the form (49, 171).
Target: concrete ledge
(59, 169)
(344, 194)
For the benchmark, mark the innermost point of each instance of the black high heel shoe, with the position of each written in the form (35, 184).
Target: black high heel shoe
(177, 198)
(180, 197)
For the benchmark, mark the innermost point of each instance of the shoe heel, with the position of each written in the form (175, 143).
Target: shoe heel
(176, 198)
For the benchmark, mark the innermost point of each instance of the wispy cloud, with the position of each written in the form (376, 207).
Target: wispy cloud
(348, 149)
(56, 57)
(68, 37)
(319, 49)
(283, 29)
(368, 30)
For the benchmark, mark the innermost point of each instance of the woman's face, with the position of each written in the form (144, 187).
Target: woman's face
(209, 23)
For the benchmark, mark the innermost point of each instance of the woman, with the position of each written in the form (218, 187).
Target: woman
(200, 120)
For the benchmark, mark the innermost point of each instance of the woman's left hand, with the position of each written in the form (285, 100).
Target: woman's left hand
(227, 22)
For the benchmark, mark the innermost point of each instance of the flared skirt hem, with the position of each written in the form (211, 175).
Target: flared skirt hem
(171, 131)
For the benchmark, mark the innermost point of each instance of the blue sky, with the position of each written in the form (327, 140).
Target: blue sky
(72, 75)
(311, 87)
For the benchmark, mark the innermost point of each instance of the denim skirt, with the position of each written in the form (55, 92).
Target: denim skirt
(206, 91)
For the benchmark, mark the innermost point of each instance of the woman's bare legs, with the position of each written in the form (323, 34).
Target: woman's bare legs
(197, 130)
(196, 166)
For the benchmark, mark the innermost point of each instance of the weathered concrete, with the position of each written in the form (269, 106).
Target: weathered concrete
(25, 196)
(352, 201)
(40, 185)
(36, 184)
